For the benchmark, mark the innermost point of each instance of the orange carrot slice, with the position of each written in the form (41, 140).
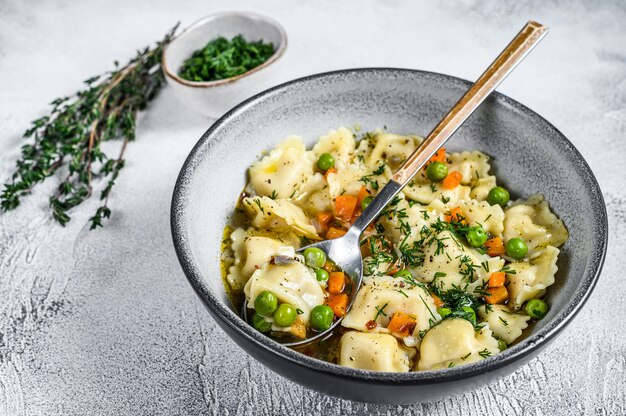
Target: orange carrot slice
(440, 156)
(334, 232)
(453, 180)
(402, 324)
(497, 279)
(438, 302)
(363, 193)
(344, 206)
(455, 215)
(495, 247)
(338, 303)
(336, 282)
(496, 295)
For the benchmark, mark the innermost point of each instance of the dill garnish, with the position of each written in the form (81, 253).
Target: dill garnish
(484, 353)
(380, 311)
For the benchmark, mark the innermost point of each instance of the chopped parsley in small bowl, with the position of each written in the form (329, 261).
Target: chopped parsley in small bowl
(223, 59)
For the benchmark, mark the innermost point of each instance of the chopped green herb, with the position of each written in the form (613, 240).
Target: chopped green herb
(507, 269)
(257, 201)
(427, 307)
(484, 353)
(380, 311)
(222, 58)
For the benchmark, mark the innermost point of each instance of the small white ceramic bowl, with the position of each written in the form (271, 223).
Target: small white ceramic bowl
(214, 98)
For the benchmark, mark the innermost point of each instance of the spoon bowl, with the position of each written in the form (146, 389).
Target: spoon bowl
(351, 264)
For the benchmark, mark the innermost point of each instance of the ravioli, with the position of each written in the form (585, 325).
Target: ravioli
(375, 352)
(440, 287)
(532, 221)
(455, 342)
(292, 282)
(379, 298)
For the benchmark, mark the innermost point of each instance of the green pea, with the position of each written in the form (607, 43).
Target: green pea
(322, 317)
(366, 202)
(516, 248)
(285, 315)
(443, 312)
(325, 162)
(265, 303)
(437, 171)
(498, 196)
(260, 324)
(314, 257)
(502, 345)
(476, 236)
(471, 314)
(404, 274)
(321, 275)
(536, 308)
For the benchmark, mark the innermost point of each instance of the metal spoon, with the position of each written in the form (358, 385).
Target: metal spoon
(345, 251)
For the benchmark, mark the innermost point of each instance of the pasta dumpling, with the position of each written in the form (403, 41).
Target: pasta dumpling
(532, 277)
(250, 254)
(481, 188)
(346, 180)
(490, 217)
(392, 148)
(380, 297)
(339, 143)
(532, 221)
(451, 263)
(375, 352)
(424, 193)
(280, 214)
(280, 173)
(292, 283)
(472, 165)
(503, 322)
(454, 342)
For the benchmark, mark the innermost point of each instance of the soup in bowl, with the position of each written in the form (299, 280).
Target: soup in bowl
(523, 154)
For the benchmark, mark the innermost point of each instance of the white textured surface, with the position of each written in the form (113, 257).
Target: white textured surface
(105, 323)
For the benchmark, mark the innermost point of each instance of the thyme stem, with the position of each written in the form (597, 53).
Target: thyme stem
(69, 137)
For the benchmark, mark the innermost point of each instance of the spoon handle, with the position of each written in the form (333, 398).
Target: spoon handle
(508, 59)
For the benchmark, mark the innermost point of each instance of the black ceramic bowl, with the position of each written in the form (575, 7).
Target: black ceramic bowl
(530, 156)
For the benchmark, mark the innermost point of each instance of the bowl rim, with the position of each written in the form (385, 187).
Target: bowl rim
(278, 53)
(528, 346)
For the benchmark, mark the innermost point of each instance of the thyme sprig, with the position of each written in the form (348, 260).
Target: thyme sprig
(68, 139)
